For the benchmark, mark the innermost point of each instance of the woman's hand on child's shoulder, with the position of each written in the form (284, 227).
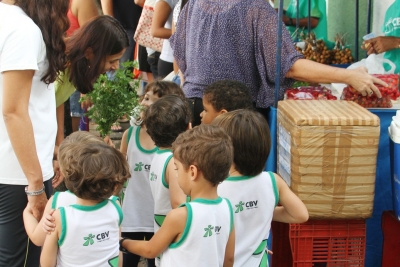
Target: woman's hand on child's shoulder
(48, 225)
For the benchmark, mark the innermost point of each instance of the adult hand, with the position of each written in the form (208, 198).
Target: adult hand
(58, 176)
(381, 44)
(37, 205)
(86, 104)
(364, 83)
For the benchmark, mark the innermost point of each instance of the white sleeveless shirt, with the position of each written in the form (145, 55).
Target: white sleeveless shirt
(67, 198)
(159, 187)
(90, 235)
(138, 203)
(203, 242)
(254, 199)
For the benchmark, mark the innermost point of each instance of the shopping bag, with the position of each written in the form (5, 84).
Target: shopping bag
(374, 64)
(143, 31)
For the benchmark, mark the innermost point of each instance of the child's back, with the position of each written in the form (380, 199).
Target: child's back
(203, 242)
(253, 193)
(89, 234)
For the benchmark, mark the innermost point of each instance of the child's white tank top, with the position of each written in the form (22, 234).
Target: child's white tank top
(203, 243)
(138, 203)
(159, 187)
(67, 198)
(90, 235)
(253, 200)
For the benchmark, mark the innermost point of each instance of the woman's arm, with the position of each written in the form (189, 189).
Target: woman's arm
(310, 71)
(139, 2)
(303, 22)
(107, 7)
(16, 93)
(293, 209)
(84, 10)
(48, 257)
(162, 10)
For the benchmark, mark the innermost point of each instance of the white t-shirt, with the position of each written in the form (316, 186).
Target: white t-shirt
(22, 48)
(166, 53)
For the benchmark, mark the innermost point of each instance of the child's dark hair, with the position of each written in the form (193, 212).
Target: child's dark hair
(163, 88)
(207, 147)
(166, 119)
(92, 170)
(251, 139)
(229, 95)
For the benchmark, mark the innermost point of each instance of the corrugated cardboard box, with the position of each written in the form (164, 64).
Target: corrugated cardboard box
(327, 152)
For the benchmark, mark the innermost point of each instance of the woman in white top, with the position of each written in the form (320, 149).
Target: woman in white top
(31, 55)
(161, 27)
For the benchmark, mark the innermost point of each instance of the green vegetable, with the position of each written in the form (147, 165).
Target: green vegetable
(114, 98)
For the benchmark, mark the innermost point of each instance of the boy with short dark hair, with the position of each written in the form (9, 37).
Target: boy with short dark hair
(224, 96)
(198, 233)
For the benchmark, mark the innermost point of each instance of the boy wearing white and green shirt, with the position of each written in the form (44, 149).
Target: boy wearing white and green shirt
(254, 193)
(201, 232)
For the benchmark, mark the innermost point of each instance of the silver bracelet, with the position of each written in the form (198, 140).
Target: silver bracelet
(34, 193)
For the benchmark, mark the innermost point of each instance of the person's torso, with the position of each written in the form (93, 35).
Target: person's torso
(253, 207)
(22, 48)
(90, 235)
(159, 186)
(73, 21)
(138, 203)
(391, 27)
(204, 241)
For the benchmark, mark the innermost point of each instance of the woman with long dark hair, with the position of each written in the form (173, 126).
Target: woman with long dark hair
(31, 55)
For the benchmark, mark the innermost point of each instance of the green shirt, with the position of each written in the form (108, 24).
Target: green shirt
(63, 88)
(318, 10)
(391, 27)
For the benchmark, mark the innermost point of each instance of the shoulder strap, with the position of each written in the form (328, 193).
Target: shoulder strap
(63, 226)
(129, 134)
(119, 210)
(54, 202)
(275, 187)
(230, 212)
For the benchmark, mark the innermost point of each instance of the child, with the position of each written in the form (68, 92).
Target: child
(87, 232)
(37, 232)
(138, 203)
(255, 193)
(165, 120)
(200, 232)
(224, 96)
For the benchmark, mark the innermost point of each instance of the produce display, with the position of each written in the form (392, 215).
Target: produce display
(316, 50)
(388, 93)
(309, 93)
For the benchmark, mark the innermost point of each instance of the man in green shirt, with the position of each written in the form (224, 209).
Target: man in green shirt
(390, 43)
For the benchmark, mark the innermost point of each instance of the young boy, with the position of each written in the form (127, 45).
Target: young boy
(253, 192)
(224, 96)
(165, 120)
(198, 233)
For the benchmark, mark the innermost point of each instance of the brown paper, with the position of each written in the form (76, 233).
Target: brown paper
(330, 150)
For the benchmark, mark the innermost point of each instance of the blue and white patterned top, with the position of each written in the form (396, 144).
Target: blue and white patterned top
(231, 39)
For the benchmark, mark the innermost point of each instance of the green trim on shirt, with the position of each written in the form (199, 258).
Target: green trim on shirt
(120, 214)
(146, 151)
(63, 227)
(54, 201)
(187, 227)
(208, 201)
(90, 208)
(231, 213)
(275, 187)
(163, 173)
(160, 151)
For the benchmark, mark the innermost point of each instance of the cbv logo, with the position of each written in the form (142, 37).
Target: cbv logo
(103, 236)
(249, 205)
(209, 230)
(140, 166)
(153, 177)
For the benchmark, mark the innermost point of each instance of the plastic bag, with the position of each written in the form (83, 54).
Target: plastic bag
(309, 93)
(374, 64)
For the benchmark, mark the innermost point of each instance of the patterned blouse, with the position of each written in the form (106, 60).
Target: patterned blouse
(235, 40)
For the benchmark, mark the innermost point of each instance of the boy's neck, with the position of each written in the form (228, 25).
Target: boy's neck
(234, 172)
(87, 202)
(205, 191)
(164, 148)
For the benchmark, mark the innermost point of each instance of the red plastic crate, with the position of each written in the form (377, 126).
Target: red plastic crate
(328, 243)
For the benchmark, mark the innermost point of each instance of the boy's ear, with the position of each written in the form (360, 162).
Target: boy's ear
(189, 126)
(222, 111)
(194, 172)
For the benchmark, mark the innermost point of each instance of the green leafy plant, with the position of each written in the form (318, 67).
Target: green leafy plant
(113, 98)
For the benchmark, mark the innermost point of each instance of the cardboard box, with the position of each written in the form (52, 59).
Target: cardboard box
(327, 152)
